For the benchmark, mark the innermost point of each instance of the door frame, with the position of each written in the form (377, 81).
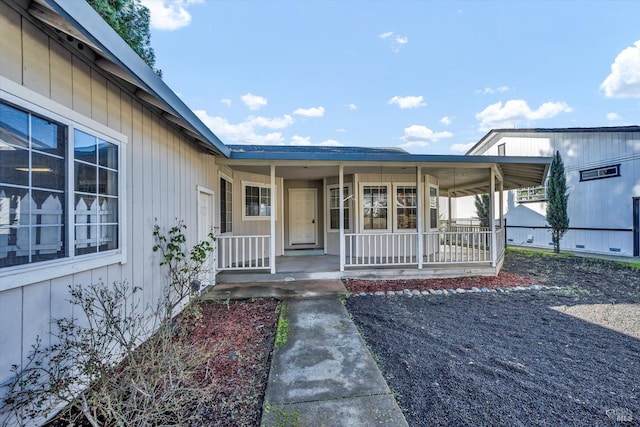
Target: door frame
(206, 228)
(315, 218)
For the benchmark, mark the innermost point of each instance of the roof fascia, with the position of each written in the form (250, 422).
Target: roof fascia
(82, 16)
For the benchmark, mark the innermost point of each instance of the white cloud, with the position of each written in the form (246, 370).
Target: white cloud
(341, 130)
(226, 101)
(421, 136)
(253, 102)
(306, 140)
(310, 112)
(516, 112)
(491, 90)
(397, 41)
(446, 120)
(248, 131)
(462, 148)
(613, 116)
(407, 101)
(169, 14)
(624, 80)
(351, 107)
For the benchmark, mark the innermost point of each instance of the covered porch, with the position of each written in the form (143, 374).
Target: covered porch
(367, 215)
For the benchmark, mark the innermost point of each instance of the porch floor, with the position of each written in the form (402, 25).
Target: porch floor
(320, 275)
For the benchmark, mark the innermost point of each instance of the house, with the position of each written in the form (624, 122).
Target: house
(602, 166)
(95, 149)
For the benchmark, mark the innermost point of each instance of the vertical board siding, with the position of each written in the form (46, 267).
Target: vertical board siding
(10, 43)
(35, 55)
(162, 171)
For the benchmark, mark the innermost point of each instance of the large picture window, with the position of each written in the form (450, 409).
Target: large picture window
(226, 205)
(39, 156)
(257, 201)
(334, 207)
(375, 212)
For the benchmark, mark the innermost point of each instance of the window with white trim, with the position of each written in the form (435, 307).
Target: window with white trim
(48, 167)
(256, 201)
(226, 205)
(334, 207)
(433, 207)
(406, 207)
(374, 205)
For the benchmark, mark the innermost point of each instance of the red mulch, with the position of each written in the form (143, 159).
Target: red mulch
(239, 336)
(502, 280)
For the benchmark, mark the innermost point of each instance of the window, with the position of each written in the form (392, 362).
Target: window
(374, 207)
(501, 150)
(600, 173)
(257, 201)
(433, 207)
(406, 207)
(334, 207)
(226, 205)
(59, 188)
(532, 194)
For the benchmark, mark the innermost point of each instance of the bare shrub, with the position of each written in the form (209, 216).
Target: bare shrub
(121, 366)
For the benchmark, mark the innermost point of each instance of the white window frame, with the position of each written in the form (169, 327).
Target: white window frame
(246, 217)
(395, 215)
(351, 206)
(428, 207)
(229, 180)
(24, 274)
(389, 209)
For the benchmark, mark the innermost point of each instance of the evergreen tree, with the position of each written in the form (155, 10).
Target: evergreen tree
(130, 19)
(557, 199)
(483, 204)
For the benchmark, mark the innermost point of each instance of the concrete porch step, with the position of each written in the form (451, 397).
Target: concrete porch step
(279, 289)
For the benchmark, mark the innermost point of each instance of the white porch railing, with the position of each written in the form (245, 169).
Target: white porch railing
(500, 241)
(441, 247)
(243, 252)
(374, 249)
(450, 247)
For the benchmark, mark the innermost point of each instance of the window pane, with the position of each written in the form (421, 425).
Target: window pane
(108, 237)
(85, 178)
(107, 154)
(47, 136)
(14, 167)
(14, 127)
(47, 172)
(108, 182)
(84, 147)
(108, 209)
(252, 200)
(86, 239)
(406, 207)
(375, 207)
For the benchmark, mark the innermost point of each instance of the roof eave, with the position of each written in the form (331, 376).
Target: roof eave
(82, 16)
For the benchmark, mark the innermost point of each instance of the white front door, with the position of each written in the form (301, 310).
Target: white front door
(302, 216)
(206, 226)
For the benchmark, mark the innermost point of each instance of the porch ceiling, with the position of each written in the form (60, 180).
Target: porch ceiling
(458, 179)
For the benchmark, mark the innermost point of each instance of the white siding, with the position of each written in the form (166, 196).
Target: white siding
(162, 172)
(603, 204)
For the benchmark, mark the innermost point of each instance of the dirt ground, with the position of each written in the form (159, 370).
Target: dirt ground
(553, 357)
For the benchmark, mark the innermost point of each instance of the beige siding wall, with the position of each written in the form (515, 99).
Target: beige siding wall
(162, 172)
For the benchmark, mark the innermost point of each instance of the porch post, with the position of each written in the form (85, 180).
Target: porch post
(449, 209)
(419, 213)
(341, 211)
(501, 199)
(272, 241)
(492, 216)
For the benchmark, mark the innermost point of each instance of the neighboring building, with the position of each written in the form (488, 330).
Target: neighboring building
(602, 167)
(95, 149)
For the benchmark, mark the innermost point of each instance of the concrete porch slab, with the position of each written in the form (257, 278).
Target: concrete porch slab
(280, 289)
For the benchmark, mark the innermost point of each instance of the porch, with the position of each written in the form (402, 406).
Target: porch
(467, 252)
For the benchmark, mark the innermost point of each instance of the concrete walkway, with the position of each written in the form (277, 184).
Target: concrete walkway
(324, 375)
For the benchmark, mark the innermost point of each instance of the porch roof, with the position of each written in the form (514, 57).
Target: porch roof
(457, 174)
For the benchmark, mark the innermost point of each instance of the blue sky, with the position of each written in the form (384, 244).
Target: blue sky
(429, 76)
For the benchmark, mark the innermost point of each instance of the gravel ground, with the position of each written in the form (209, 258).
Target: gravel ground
(548, 357)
